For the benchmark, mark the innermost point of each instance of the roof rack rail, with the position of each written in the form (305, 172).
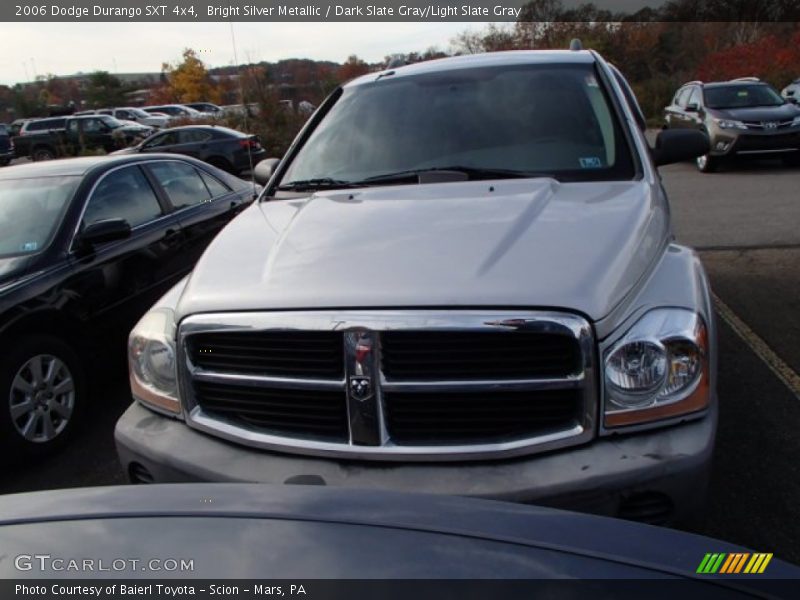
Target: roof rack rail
(746, 79)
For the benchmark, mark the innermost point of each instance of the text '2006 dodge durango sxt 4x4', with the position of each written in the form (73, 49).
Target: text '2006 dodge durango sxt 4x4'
(460, 279)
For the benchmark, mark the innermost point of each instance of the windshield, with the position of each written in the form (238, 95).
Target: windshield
(30, 210)
(742, 96)
(138, 112)
(531, 119)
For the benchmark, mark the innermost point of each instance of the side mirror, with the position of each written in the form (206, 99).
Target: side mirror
(264, 170)
(107, 230)
(692, 107)
(677, 145)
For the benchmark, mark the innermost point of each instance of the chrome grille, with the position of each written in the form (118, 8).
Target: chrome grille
(391, 385)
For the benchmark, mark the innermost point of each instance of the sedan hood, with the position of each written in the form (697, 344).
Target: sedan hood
(510, 243)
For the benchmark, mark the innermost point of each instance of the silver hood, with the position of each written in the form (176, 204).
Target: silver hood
(510, 243)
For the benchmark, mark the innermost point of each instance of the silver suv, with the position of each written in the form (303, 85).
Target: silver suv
(460, 279)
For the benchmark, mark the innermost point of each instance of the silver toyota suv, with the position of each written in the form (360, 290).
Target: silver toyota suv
(460, 279)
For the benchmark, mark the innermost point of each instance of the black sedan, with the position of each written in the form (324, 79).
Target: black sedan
(86, 246)
(226, 149)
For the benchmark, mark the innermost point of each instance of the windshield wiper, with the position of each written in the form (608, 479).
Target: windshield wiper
(465, 173)
(319, 183)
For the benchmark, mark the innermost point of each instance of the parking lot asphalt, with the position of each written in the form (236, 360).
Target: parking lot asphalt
(745, 223)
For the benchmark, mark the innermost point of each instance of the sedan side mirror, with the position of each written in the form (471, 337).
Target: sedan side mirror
(677, 145)
(264, 170)
(107, 230)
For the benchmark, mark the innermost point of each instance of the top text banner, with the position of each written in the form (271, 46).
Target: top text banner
(399, 10)
(255, 11)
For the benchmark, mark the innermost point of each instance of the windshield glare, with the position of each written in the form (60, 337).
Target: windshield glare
(30, 210)
(112, 122)
(742, 96)
(552, 119)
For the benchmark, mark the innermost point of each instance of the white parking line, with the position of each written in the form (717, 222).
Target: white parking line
(761, 349)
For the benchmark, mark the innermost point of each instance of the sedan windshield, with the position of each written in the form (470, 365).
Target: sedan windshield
(30, 210)
(489, 123)
(742, 96)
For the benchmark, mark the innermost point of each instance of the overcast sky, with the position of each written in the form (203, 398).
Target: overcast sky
(28, 49)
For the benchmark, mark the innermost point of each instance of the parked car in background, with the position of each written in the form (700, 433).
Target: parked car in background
(743, 117)
(136, 115)
(792, 91)
(206, 108)
(226, 149)
(42, 126)
(16, 125)
(462, 279)
(86, 246)
(177, 111)
(86, 132)
(7, 153)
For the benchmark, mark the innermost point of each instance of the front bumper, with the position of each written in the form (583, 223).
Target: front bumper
(609, 476)
(725, 143)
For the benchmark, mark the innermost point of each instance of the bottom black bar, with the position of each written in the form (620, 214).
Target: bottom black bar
(316, 589)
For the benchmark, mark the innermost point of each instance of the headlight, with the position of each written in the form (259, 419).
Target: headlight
(151, 361)
(658, 370)
(796, 122)
(729, 124)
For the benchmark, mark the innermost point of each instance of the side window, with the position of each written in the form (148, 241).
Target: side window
(167, 139)
(92, 125)
(124, 114)
(73, 127)
(193, 136)
(215, 186)
(123, 194)
(181, 183)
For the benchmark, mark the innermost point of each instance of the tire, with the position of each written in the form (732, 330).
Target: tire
(5, 162)
(707, 163)
(221, 163)
(42, 397)
(42, 153)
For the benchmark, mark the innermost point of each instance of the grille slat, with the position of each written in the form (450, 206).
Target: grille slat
(478, 417)
(318, 413)
(281, 354)
(454, 355)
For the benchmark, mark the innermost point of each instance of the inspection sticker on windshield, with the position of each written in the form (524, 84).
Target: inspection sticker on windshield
(29, 246)
(591, 162)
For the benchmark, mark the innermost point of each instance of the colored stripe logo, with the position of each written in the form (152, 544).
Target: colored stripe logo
(734, 563)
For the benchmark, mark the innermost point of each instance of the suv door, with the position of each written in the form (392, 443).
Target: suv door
(693, 111)
(675, 116)
(115, 282)
(203, 203)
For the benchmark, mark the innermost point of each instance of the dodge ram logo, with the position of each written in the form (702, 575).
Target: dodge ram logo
(360, 387)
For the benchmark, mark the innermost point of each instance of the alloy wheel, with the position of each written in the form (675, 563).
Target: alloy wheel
(42, 398)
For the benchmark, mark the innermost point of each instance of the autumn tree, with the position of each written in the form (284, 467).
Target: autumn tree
(103, 90)
(354, 67)
(189, 81)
